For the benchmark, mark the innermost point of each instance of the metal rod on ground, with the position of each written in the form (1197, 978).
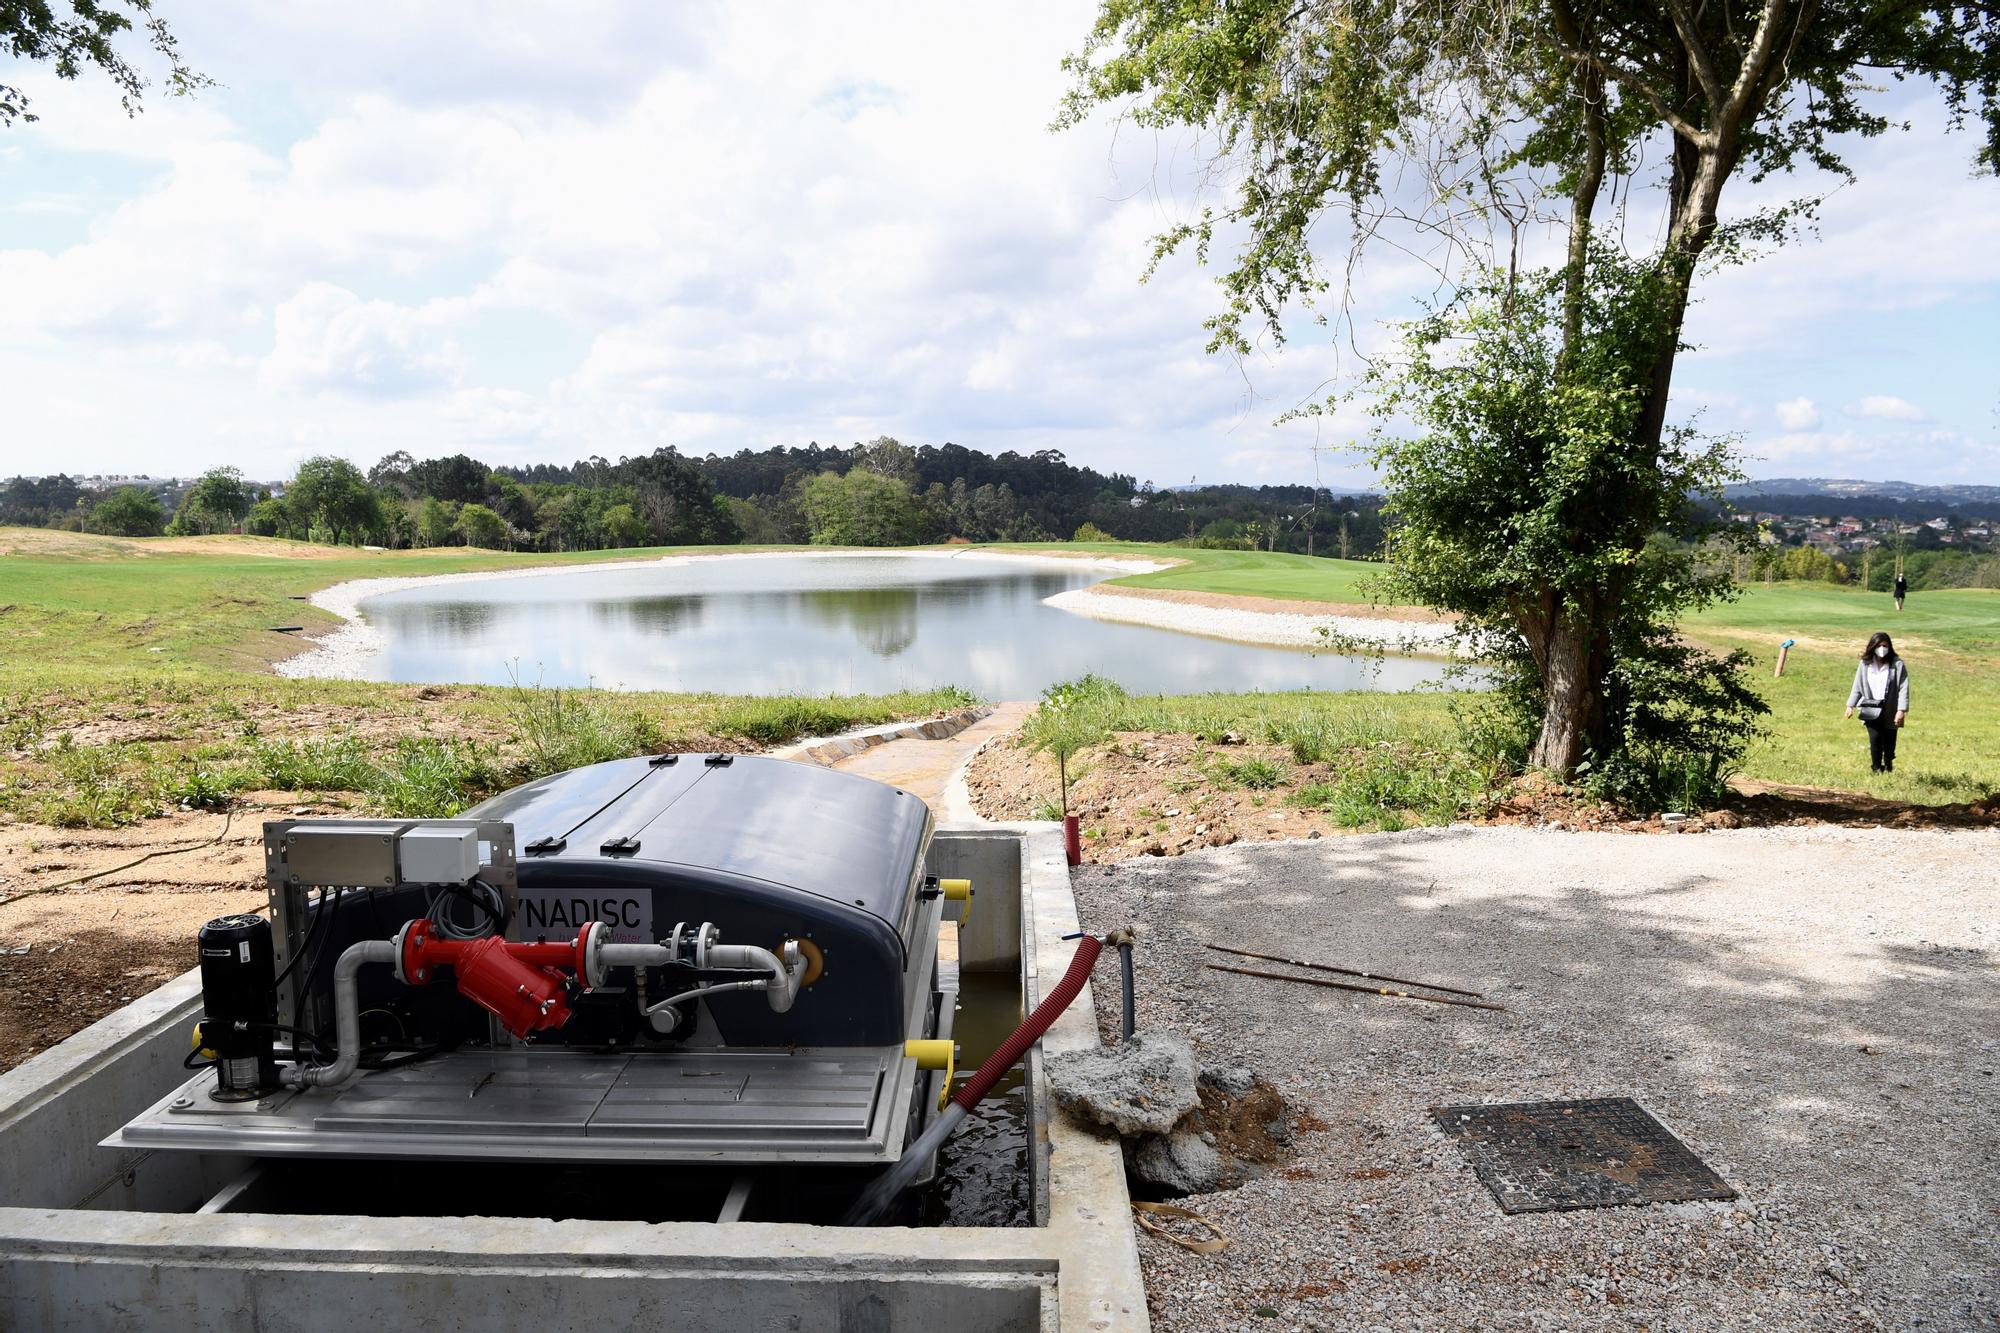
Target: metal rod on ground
(1359, 990)
(1343, 971)
(1129, 1020)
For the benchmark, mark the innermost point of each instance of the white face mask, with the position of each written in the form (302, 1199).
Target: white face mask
(1882, 652)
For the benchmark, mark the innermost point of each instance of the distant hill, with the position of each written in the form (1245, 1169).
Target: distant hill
(1848, 489)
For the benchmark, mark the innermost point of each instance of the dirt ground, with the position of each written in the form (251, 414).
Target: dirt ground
(1158, 794)
(71, 955)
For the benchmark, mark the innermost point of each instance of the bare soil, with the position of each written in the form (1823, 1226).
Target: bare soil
(71, 955)
(1166, 794)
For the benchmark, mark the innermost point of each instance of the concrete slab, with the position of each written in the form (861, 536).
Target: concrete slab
(925, 766)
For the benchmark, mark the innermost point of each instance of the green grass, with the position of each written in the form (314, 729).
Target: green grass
(1950, 749)
(1235, 573)
(98, 603)
(173, 640)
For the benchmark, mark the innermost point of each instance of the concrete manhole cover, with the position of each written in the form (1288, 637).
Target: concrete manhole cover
(1541, 1157)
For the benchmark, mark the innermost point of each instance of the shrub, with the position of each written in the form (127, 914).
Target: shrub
(431, 779)
(565, 729)
(316, 765)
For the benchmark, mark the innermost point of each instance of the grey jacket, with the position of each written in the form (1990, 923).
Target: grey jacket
(1899, 690)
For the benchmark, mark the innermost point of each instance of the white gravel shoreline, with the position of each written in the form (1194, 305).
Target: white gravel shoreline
(1284, 629)
(349, 651)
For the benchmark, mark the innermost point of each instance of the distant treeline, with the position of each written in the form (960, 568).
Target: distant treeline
(1862, 506)
(882, 493)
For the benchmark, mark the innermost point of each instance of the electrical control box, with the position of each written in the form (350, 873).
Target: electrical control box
(345, 856)
(437, 855)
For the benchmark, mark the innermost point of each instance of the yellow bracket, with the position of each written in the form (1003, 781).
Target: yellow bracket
(958, 891)
(206, 1054)
(935, 1053)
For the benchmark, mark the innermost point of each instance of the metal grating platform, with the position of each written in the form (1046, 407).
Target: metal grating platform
(1603, 1152)
(847, 1104)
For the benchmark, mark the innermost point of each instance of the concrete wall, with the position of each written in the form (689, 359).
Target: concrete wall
(151, 1263)
(992, 860)
(56, 1107)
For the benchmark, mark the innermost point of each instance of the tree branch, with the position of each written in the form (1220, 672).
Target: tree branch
(1704, 66)
(1756, 63)
(1569, 41)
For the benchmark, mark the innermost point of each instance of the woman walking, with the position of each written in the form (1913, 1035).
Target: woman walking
(1882, 693)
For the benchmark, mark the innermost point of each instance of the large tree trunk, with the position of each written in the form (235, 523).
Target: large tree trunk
(1569, 694)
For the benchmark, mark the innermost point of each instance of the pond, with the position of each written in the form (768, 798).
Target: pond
(821, 625)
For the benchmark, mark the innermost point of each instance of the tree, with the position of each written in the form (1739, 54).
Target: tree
(436, 521)
(217, 502)
(862, 508)
(329, 495)
(480, 526)
(88, 35)
(393, 470)
(126, 512)
(1507, 117)
(270, 518)
(623, 527)
(1072, 717)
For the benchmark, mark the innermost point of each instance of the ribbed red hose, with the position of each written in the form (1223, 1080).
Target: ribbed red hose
(1048, 1011)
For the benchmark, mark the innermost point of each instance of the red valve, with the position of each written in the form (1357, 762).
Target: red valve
(522, 985)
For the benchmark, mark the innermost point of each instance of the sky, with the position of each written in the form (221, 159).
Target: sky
(535, 233)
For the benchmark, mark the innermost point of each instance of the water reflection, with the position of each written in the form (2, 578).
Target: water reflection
(777, 625)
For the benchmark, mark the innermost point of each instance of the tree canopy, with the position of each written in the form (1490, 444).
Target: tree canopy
(1480, 129)
(83, 34)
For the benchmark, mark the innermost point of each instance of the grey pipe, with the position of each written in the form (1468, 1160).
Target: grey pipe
(346, 1018)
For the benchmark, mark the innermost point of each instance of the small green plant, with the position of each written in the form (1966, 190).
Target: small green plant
(1073, 716)
(564, 729)
(198, 787)
(317, 765)
(431, 779)
(1256, 774)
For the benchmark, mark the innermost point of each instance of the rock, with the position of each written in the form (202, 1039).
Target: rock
(1182, 1163)
(1142, 1086)
(1725, 819)
(1232, 1079)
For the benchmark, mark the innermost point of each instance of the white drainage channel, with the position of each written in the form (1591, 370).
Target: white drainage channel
(91, 1238)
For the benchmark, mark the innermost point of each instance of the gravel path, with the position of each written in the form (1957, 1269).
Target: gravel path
(1812, 1010)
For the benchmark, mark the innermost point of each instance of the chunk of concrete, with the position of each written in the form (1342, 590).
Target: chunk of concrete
(1182, 1162)
(1142, 1086)
(1232, 1079)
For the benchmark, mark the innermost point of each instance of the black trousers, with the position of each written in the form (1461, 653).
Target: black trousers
(1881, 741)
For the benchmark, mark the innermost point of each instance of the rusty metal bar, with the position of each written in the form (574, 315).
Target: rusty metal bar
(1344, 971)
(1359, 990)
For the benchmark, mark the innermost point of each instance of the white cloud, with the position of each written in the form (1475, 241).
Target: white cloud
(1888, 407)
(1798, 414)
(329, 338)
(604, 228)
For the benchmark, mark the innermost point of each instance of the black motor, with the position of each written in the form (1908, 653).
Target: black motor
(239, 1000)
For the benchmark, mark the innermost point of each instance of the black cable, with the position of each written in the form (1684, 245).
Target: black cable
(188, 1060)
(312, 929)
(318, 950)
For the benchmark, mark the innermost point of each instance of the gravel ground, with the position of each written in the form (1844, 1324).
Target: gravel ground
(1812, 1010)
